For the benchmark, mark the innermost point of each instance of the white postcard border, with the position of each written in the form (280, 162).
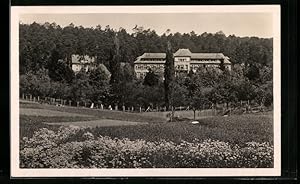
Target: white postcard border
(165, 172)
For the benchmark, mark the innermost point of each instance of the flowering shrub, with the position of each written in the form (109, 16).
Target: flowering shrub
(52, 149)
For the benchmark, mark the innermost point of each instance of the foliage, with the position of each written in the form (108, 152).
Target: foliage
(211, 86)
(99, 81)
(169, 74)
(46, 49)
(197, 92)
(37, 41)
(180, 92)
(39, 84)
(151, 79)
(153, 96)
(127, 73)
(115, 61)
(81, 87)
(58, 69)
(52, 149)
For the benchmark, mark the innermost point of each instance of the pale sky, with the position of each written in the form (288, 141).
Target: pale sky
(240, 24)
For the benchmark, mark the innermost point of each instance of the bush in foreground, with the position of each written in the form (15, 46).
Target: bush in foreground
(53, 149)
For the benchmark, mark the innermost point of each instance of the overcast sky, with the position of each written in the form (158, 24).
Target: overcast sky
(239, 24)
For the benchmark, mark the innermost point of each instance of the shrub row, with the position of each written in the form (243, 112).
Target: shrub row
(53, 149)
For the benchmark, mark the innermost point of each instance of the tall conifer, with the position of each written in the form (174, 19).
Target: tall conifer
(169, 76)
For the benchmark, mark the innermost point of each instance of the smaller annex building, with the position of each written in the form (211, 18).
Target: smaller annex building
(82, 62)
(184, 61)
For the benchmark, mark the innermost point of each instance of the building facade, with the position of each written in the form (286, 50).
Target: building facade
(82, 62)
(184, 61)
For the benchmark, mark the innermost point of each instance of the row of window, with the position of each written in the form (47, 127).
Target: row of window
(182, 59)
(150, 59)
(182, 67)
(148, 66)
(141, 74)
(196, 66)
(179, 59)
(77, 68)
(177, 67)
(206, 60)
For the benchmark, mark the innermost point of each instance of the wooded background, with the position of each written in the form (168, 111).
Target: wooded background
(43, 74)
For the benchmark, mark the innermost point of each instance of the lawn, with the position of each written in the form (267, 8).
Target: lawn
(49, 113)
(234, 129)
(237, 129)
(100, 114)
(147, 140)
(98, 123)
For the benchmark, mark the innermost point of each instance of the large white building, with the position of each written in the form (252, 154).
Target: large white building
(184, 61)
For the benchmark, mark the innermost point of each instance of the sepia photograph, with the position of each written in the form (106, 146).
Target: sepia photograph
(145, 91)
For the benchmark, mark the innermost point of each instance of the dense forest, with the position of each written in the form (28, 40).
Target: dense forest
(46, 49)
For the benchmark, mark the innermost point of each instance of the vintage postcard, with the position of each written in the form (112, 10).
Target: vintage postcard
(145, 91)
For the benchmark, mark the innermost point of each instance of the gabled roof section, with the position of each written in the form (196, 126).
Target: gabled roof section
(183, 52)
(210, 56)
(146, 58)
(79, 59)
(154, 55)
(226, 60)
(207, 56)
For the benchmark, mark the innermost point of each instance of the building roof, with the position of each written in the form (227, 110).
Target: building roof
(207, 56)
(226, 60)
(211, 56)
(146, 58)
(187, 52)
(150, 62)
(153, 55)
(79, 59)
(181, 53)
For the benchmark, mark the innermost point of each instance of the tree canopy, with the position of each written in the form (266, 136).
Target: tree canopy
(45, 58)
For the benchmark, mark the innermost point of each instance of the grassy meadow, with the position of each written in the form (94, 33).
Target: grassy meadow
(248, 132)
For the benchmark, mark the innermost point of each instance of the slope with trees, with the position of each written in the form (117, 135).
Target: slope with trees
(45, 56)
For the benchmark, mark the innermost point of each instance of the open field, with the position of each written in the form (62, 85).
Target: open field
(182, 114)
(48, 113)
(110, 139)
(100, 114)
(237, 129)
(233, 129)
(98, 123)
